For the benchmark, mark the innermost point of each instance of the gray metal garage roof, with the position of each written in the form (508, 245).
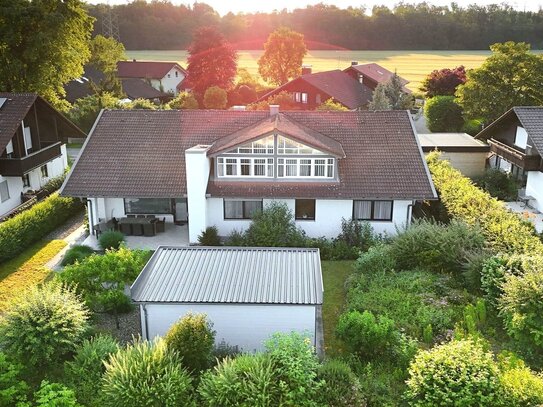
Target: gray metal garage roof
(251, 275)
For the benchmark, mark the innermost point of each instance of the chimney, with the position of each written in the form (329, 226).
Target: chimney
(239, 108)
(134, 60)
(197, 166)
(353, 63)
(274, 110)
(306, 69)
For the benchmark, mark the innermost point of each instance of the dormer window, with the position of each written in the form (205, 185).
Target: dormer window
(305, 167)
(287, 146)
(244, 167)
(262, 146)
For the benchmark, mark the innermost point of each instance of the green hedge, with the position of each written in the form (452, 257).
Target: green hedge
(17, 233)
(504, 231)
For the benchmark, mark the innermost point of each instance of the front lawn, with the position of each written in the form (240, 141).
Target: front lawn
(26, 269)
(334, 274)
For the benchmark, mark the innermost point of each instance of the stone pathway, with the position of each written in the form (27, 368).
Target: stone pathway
(72, 232)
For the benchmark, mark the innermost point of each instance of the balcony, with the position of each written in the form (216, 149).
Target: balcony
(17, 167)
(515, 156)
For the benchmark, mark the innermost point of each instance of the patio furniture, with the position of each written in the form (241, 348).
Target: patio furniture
(151, 216)
(137, 229)
(149, 229)
(125, 228)
(523, 198)
(131, 216)
(102, 227)
(161, 225)
(140, 216)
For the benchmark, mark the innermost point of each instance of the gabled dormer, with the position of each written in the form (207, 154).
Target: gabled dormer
(276, 148)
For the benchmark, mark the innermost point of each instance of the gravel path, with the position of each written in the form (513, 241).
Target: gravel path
(129, 325)
(67, 228)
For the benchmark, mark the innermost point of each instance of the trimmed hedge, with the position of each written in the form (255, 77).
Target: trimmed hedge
(504, 231)
(19, 232)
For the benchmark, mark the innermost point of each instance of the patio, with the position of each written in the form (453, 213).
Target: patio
(174, 235)
(527, 213)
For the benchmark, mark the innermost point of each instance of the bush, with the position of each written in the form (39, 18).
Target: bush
(184, 100)
(296, 366)
(43, 325)
(110, 240)
(376, 259)
(192, 337)
(19, 232)
(499, 184)
(457, 373)
(247, 380)
(215, 98)
(224, 350)
(76, 254)
(12, 389)
(520, 386)
(342, 387)
(436, 246)
(209, 237)
(504, 231)
(146, 374)
(472, 126)
(235, 238)
(443, 114)
(101, 279)
(84, 373)
(55, 394)
(274, 227)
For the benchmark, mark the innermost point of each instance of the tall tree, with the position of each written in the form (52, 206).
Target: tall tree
(43, 45)
(390, 95)
(511, 76)
(212, 61)
(284, 52)
(443, 82)
(105, 53)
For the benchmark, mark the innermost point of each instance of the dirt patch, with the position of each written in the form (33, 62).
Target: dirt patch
(129, 325)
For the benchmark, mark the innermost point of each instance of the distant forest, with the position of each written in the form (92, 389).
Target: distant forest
(161, 25)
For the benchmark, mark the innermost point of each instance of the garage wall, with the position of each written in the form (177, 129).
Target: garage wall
(469, 164)
(244, 325)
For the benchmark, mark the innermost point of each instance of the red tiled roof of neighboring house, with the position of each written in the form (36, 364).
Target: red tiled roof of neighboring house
(337, 84)
(377, 73)
(281, 124)
(141, 153)
(145, 69)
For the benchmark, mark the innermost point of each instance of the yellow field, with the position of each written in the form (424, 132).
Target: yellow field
(412, 65)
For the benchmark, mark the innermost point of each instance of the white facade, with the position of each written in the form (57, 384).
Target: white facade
(244, 325)
(16, 187)
(169, 82)
(534, 188)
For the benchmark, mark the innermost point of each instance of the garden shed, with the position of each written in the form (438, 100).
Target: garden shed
(248, 293)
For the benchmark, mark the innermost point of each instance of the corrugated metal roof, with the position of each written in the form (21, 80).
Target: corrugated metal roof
(258, 275)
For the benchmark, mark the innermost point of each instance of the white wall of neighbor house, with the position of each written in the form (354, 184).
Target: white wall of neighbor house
(328, 216)
(534, 187)
(10, 193)
(244, 325)
(469, 164)
(170, 81)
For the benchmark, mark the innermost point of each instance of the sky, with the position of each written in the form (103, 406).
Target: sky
(224, 6)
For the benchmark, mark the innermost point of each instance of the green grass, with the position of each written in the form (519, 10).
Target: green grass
(412, 65)
(334, 274)
(27, 269)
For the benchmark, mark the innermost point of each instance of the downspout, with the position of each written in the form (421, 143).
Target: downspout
(409, 213)
(145, 321)
(91, 217)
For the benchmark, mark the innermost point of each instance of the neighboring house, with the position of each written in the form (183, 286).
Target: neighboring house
(32, 137)
(247, 293)
(217, 167)
(133, 88)
(372, 75)
(516, 145)
(167, 77)
(311, 89)
(464, 152)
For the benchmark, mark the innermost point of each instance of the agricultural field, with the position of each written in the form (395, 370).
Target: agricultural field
(412, 65)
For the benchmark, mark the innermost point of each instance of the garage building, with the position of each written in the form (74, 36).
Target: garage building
(248, 293)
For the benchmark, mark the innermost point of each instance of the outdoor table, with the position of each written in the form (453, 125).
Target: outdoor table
(138, 222)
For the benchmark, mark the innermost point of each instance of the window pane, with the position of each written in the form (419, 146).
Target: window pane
(362, 210)
(270, 167)
(305, 168)
(291, 168)
(382, 210)
(320, 168)
(233, 209)
(148, 205)
(305, 209)
(245, 167)
(4, 191)
(251, 207)
(231, 166)
(260, 167)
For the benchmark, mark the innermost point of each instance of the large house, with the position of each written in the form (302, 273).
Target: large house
(32, 137)
(372, 74)
(168, 77)
(217, 168)
(516, 146)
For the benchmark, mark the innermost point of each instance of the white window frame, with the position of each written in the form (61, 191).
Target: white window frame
(305, 97)
(297, 97)
(329, 163)
(243, 202)
(254, 148)
(282, 149)
(222, 165)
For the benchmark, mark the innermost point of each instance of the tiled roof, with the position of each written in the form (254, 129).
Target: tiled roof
(79, 88)
(12, 112)
(337, 84)
(137, 88)
(284, 125)
(145, 69)
(242, 275)
(376, 72)
(141, 153)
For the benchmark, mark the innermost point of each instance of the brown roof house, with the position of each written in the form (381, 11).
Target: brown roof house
(516, 146)
(372, 74)
(32, 146)
(217, 168)
(166, 77)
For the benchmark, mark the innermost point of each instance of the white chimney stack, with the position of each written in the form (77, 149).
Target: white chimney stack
(274, 110)
(197, 172)
(239, 108)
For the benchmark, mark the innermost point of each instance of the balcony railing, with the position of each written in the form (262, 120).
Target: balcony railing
(17, 167)
(517, 157)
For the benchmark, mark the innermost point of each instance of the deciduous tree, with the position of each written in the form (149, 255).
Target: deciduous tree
(212, 61)
(442, 113)
(284, 52)
(43, 45)
(331, 105)
(105, 53)
(511, 76)
(215, 98)
(443, 82)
